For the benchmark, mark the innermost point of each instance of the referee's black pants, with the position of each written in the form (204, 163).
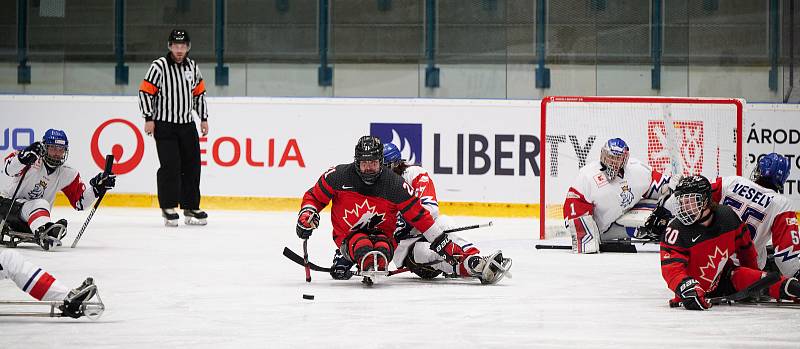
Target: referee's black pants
(178, 177)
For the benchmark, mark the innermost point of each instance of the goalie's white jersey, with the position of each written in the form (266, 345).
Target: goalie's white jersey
(769, 216)
(39, 184)
(592, 194)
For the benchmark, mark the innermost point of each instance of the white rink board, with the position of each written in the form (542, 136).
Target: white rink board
(321, 132)
(325, 131)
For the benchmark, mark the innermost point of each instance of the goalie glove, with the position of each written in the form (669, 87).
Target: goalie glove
(692, 295)
(307, 221)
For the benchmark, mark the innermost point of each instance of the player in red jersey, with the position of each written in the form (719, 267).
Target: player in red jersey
(365, 203)
(701, 245)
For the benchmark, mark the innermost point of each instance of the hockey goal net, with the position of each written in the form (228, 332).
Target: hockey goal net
(706, 138)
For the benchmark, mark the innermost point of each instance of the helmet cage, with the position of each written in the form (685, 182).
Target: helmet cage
(691, 207)
(613, 160)
(368, 148)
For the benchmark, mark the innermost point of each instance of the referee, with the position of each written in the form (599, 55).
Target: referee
(171, 90)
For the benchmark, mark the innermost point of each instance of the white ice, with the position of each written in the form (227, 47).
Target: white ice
(227, 285)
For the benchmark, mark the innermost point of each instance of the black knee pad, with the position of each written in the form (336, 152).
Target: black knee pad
(424, 271)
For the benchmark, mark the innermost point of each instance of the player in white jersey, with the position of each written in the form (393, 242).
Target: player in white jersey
(38, 172)
(768, 214)
(413, 251)
(39, 284)
(604, 190)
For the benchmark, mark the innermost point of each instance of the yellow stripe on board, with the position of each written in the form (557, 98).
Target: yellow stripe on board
(479, 209)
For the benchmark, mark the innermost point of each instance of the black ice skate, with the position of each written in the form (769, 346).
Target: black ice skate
(170, 217)
(195, 217)
(77, 302)
(50, 234)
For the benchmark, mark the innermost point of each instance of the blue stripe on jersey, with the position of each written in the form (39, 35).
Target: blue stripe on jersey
(31, 279)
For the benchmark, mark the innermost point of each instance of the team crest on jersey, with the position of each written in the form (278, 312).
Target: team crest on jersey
(363, 217)
(38, 190)
(714, 266)
(626, 196)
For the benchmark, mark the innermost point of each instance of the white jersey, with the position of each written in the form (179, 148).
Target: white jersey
(39, 184)
(592, 194)
(768, 215)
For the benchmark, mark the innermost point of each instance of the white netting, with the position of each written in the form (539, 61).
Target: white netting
(704, 138)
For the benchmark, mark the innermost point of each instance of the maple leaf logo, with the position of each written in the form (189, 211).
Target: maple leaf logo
(363, 217)
(715, 263)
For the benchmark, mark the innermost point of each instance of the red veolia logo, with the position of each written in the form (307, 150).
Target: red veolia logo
(119, 167)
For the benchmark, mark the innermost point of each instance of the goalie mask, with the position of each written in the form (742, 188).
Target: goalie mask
(56, 148)
(772, 171)
(693, 195)
(614, 157)
(369, 159)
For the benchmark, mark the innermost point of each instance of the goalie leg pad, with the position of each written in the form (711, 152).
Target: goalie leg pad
(585, 235)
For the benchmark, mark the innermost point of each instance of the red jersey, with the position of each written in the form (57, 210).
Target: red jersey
(360, 207)
(701, 252)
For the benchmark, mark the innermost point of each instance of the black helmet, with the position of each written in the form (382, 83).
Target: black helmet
(693, 194)
(368, 148)
(178, 35)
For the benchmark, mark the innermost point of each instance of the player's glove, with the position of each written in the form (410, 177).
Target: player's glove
(444, 247)
(103, 182)
(340, 269)
(31, 153)
(307, 221)
(692, 295)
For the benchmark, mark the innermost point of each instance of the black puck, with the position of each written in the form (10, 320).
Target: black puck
(308, 296)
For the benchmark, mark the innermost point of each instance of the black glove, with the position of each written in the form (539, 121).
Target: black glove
(340, 269)
(445, 247)
(31, 153)
(103, 182)
(307, 221)
(653, 229)
(692, 295)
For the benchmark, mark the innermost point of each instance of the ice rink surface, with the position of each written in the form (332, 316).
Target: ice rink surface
(227, 285)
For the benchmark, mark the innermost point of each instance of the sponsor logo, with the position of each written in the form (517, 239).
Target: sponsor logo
(120, 166)
(347, 187)
(17, 138)
(226, 151)
(406, 137)
(694, 239)
(791, 221)
(690, 143)
(600, 179)
(477, 154)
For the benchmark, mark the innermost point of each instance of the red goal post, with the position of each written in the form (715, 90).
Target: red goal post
(706, 139)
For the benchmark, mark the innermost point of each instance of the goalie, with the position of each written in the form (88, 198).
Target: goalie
(604, 192)
(37, 173)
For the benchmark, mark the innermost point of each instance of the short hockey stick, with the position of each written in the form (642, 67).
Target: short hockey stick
(294, 257)
(13, 197)
(107, 171)
(305, 260)
(748, 292)
(611, 245)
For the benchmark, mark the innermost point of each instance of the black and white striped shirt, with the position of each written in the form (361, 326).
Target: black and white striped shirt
(170, 91)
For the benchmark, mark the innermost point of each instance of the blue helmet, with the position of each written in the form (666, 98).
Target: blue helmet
(391, 155)
(772, 169)
(56, 147)
(614, 156)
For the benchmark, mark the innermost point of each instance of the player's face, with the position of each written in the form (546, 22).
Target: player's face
(56, 152)
(690, 208)
(369, 166)
(179, 50)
